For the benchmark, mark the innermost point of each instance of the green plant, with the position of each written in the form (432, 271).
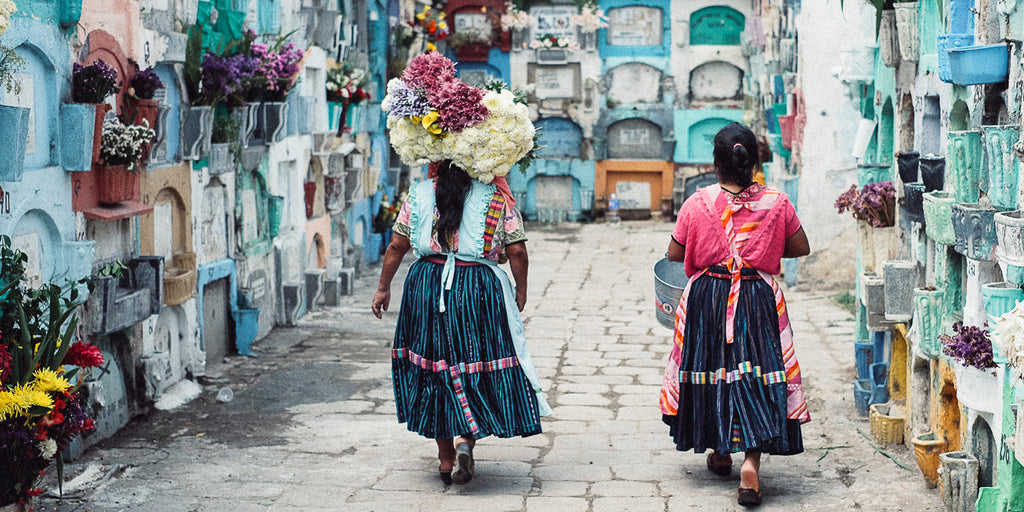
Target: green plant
(192, 70)
(225, 129)
(114, 269)
(846, 300)
(10, 64)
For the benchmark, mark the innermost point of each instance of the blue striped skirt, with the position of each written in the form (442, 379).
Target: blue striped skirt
(732, 397)
(456, 373)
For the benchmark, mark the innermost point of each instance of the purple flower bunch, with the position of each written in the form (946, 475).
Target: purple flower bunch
(875, 203)
(280, 68)
(144, 84)
(230, 78)
(970, 345)
(94, 82)
(404, 101)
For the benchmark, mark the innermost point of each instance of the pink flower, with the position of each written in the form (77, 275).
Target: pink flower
(428, 71)
(458, 104)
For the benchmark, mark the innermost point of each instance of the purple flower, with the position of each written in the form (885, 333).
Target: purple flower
(93, 83)
(403, 101)
(428, 71)
(458, 105)
(970, 345)
(875, 203)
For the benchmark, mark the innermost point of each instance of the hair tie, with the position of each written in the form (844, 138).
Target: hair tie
(738, 144)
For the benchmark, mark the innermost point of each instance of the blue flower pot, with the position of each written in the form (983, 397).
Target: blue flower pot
(945, 43)
(862, 395)
(246, 326)
(863, 353)
(983, 64)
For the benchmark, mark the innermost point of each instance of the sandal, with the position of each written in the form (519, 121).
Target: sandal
(719, 468)
(464, 465)
(446, 476)
(749, 497)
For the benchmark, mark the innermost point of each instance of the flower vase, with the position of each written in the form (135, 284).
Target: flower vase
(144, 110)
(974, 230)
(938, 217)
(272, 121)
(928, 309)
(247, 116)
(1010, 237)
(958, 480)
(309, 192)
(964, 162)
(982, 64)
(872, 289)
(900, 278)
(221, 161)
(115, 183)
(945, 43)
(14, 123)
(913, 202)
(907, 30)
(907, 162)
(977, 389)
(884, 242)
(519, 38)
(887, 44)
(886, 424)
(335, 116)
(97, 131)
(354, 118)
(334, 193)
(867, 251)
(927, 448)
(1000, 297)
(196, 132)
(1003, 166)
(933, 172)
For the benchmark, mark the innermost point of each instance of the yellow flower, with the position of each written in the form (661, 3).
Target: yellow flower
(431, 47)
(8, 406)
(429, 123)
(425, 13)
(34, 397)
(48, 381)
(442, 25)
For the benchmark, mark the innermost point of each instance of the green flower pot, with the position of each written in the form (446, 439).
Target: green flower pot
(938, 217)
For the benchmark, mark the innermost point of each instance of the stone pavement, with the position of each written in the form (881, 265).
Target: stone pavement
(312, 424)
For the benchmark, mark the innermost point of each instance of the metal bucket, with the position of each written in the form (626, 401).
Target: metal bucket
(669, 281)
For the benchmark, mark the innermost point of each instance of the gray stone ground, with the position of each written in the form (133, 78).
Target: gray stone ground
(312, 424)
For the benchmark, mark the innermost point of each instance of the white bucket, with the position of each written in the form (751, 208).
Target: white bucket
(669, 281)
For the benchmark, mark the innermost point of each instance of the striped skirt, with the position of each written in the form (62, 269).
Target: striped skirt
(732, 397)
(456, 373)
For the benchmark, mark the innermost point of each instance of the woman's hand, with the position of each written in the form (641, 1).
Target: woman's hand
(381, 299)
(520, 299)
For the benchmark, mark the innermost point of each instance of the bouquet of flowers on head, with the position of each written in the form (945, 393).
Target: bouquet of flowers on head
(279, 65)
(93, 83)
(550, 41)
(434, 116)
(41, 409)
(970, 345)
(124, 144)
(875, 203)
(431, 26)
(1009, 330)
(144, 84)
(514, 19)
(345, 84)
(590, 20)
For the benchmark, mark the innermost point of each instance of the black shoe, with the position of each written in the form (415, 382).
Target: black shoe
(464, 465)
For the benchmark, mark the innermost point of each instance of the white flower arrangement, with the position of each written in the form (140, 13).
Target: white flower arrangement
(590, 20)
(124, 144)
(47, 448)
(7, 8)
(514, 19)
(550, 41)
(476, 149)
(1009, 337)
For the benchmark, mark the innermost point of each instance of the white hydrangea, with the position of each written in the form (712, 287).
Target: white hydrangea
(7, 8)
(490, 149)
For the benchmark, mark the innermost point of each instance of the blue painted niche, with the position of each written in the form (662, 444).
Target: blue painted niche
(560, 137)
(716, 25)
(654, 7)
(695, 130)
(170, 139)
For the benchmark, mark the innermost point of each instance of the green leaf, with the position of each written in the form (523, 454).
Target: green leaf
(38, 410)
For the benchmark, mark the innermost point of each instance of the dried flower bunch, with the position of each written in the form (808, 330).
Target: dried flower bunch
(231, 78)
(124, 144)
(94, 82)
(550, 41)
(144, 84)
(433, 116)
(279, 67)
(875, 203)
(41, 409)
(345, 84)
(969, 345)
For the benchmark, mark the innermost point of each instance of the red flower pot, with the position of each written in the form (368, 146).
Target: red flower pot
(115, 183)
(334, 190)
(97, 134)
(310, 189)
(144, 109)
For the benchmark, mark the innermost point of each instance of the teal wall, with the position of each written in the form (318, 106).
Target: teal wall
(698, 123)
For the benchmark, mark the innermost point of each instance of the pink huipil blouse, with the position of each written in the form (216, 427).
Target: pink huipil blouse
(764, 219)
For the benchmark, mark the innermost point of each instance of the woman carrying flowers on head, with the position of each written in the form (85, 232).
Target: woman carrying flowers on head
(732, 383)
(460, 365)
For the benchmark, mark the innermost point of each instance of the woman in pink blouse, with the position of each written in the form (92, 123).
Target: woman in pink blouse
(732, 382)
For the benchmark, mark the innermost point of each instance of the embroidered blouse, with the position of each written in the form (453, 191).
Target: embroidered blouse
(762, 217)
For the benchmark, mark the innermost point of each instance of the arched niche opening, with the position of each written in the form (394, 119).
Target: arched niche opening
(716, 80)
(717, 25)
(959, 116)
(561, 138)
(168, 132)
(885, 134)
(36, 235)
(170, 225)
(634, 139)
(635, 82)
(700, 138)
(983, 446)
(101, 45)
(931, 126)
(214, 236)
(995, 107)
(316, 255)
(39, 92)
